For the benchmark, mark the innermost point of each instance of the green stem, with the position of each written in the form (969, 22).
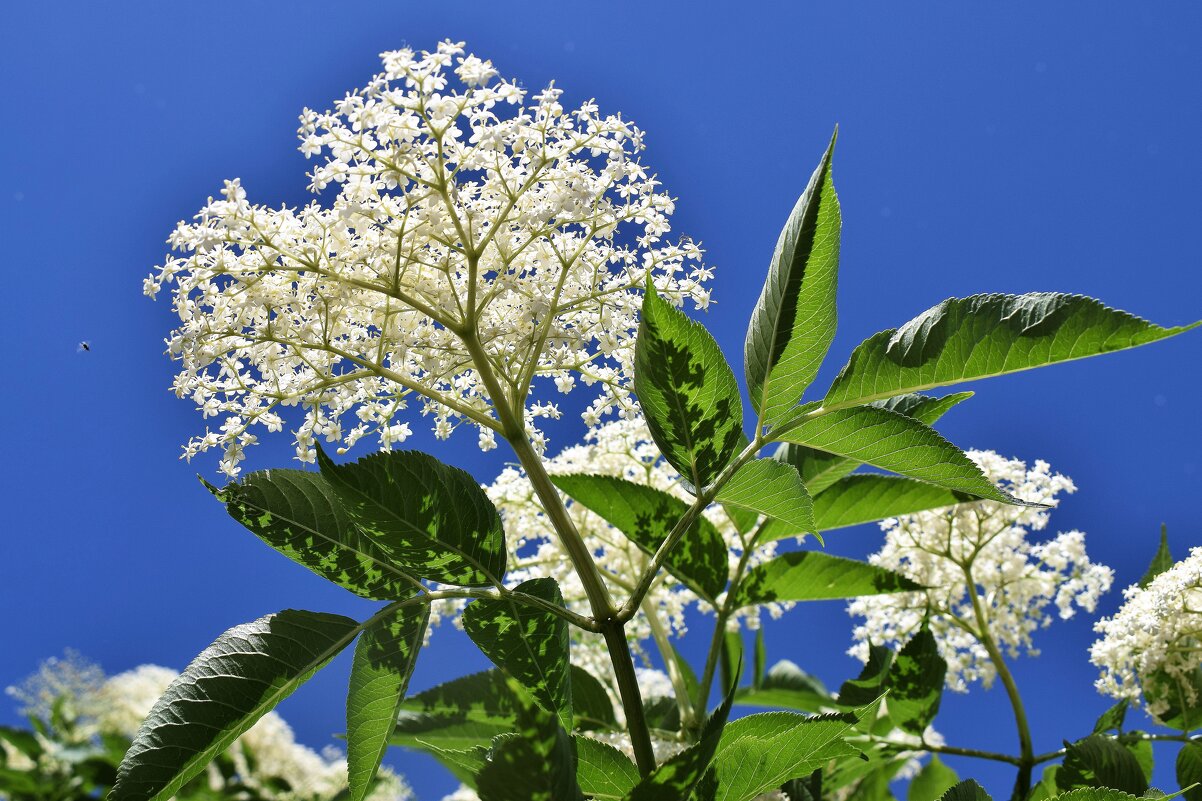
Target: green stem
(723, 615)
(684, 702)
(1026, 758)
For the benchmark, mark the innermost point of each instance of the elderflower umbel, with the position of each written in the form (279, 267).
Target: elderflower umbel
(621, 448)
(1012, 580)
(1152, 647)
(460, 210)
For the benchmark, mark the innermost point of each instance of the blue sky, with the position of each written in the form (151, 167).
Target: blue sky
(1009, 148)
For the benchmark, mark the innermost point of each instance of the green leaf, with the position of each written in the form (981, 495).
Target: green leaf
(813, 576)
(23, 741)
(1107, 794)
(963, 339)
(872, 681)
(868, 497)
(591, 705)
(1189, 769)
(646, 516)
(603, 771)
(537, 765)
(1161, 562)
(743, 519)
(967, 790)
(761, 752)
(794, 319)
(688, 393)
(677, 776)
(298, 514)
(1112, 718)
(1046, 788)
(932, 781)
(227, 688)
(916, 683)
(528, 643)
(1141, 749)
(759, 660)
(773, 488)
(1100, 761)
(434, 520)
(384, 659)
(1181, 696)
(787, 685)
(462, 764)
(459, 714)
(731, 659)
(691, 685)
(820, 469)
(892, 441)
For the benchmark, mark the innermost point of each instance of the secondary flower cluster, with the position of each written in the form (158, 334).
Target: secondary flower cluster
(262, 757)
(624, 449)
(478, 240)
(1152, 647)
(984, 578)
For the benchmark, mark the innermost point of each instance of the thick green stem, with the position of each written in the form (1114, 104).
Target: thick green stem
(1026, 758)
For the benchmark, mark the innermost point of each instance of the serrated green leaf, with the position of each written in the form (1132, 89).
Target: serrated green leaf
(689, 395)
(1161, 562)
(528, 643)
(872, 681)
(1107, 794)
(646, 516)
(1189, 769)
(761, 752)
(1100, 761)
(787, 685)
(1112, 718)
(462, 764)
(536, 765)
(773, 488)
(459, 714)
(868, 497)
(916, 683)
(932, 781)
(814, 576)
(744, 519)
(677, 776)
(963, 339)
(967, 790)
(819, 469)
(731, 659)
(298, 514)
(243, 675)
(892, 441)
(434, 520)
(603, 771)
(1141, 749)
(794, 319)
(384, 659)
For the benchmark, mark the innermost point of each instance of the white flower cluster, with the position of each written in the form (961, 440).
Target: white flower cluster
(263, 755)
(977, 555)
(622, 448)
(1152, 647)
(473, 233)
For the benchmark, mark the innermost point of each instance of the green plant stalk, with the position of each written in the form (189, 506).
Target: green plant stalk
(608, 624)
(1026, 758)
(688, 713)
(715, 650)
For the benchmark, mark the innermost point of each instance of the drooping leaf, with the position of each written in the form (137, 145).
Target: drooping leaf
(432, 519)
(932, 781)
(1112, 718)
(773, 488)
(591, 705)
(459, 714)
(646, 516)
(1161, 562)
(814, 576)
(731, 659)
(872, 682)
(1100, 761)
(759, 660)
(539, 764)
(892, 441)
(794, 319)
(1189, 769)
(243, 675)
(787, 685)
(677, 776)
(761, 752)
(868, 497)
(603, 771)
(384, 659)
(967, 790)
(298, 514)
(688, 393)
(820, 469)
(916, 683)
(963, 339)
(528, 643)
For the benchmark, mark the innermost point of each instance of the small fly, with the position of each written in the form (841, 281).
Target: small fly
(83, 347)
